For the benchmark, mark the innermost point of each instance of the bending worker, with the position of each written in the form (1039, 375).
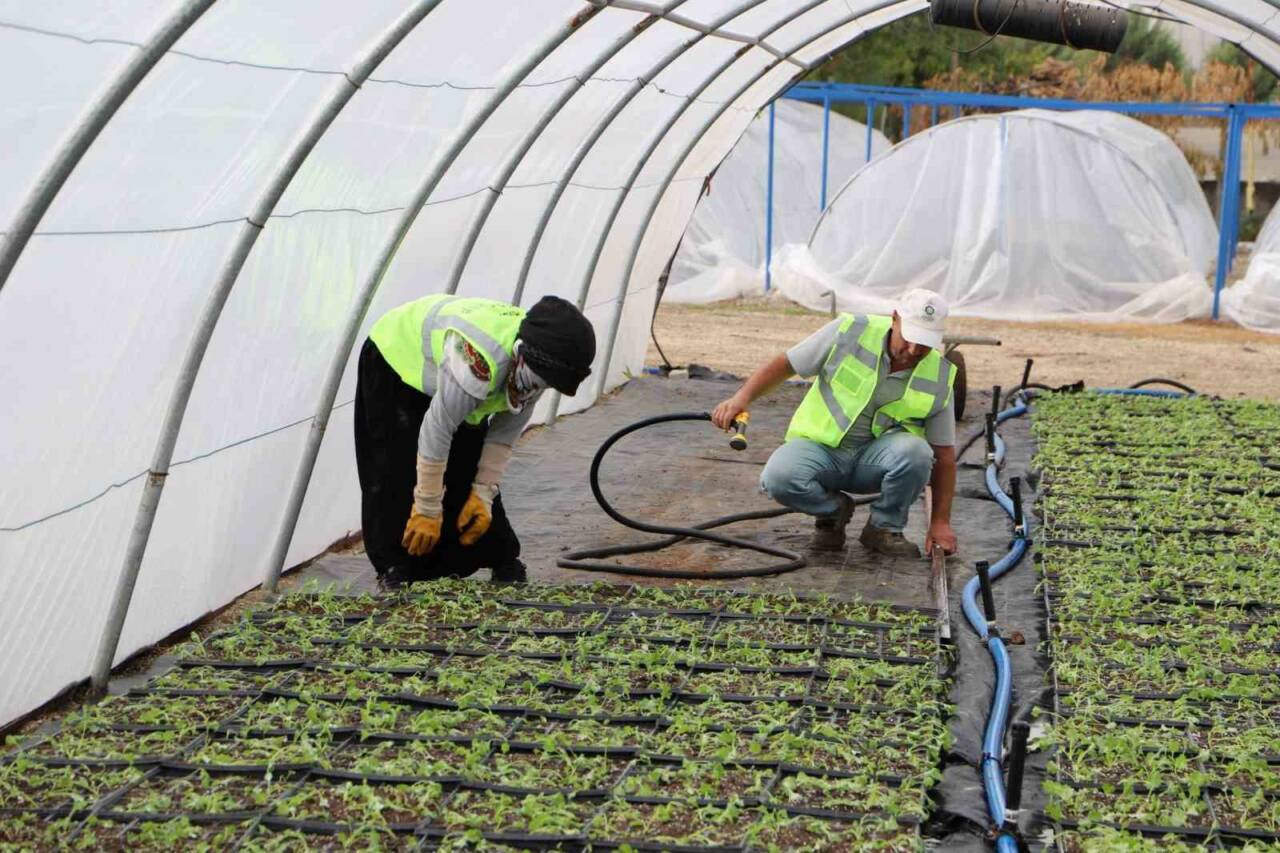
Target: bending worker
(444, 387)
(878, 418)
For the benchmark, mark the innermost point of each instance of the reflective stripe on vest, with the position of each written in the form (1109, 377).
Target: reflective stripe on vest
(847, 382)
(412, 338)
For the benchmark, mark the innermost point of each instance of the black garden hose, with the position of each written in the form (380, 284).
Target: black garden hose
(587, 559)
(1171, 382)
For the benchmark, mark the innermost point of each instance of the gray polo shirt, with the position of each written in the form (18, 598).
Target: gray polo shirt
(807, 358)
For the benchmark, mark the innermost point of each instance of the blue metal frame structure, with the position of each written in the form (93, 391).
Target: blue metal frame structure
(1236, 116)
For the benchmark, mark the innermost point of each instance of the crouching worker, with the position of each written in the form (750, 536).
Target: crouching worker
(878, 418)
(444, 387)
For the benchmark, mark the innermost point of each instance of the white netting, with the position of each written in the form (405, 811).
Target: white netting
(1029, 215)
(722, 252)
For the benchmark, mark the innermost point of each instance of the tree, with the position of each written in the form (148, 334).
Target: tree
(911, 50)
(1148, 43)
(1263, 82)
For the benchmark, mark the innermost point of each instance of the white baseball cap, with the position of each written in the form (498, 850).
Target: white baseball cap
(923, 314)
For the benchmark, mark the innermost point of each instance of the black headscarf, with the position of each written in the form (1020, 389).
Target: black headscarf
(557, 341)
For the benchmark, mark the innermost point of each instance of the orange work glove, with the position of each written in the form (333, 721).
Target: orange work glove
(476, 515)
(421, 534)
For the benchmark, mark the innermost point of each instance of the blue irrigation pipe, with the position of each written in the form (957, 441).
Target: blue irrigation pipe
(1002, 696)
(826, 151)
(1136, 392)
(768, 206)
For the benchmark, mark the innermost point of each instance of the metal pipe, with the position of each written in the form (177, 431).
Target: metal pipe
(988, 600)
(585, 147)
(341, 93)
(826, 149)
(705, 29)
(871, 120)
(1015, 488)
(51, 180)
(971, 340)
(684, 154)
(1229, 215)
(342, 352)
(518, 153)
(1017, 764)
(656, 140)
(768, 204)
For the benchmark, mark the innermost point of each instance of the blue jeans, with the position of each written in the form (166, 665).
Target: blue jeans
(805, 475)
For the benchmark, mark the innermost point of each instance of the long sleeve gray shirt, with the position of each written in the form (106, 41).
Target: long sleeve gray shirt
(459, 392)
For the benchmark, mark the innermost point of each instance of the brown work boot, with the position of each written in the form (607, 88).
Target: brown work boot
(891, 543)
(828, 530)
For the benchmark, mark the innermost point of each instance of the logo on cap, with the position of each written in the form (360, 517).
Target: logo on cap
(928, 309)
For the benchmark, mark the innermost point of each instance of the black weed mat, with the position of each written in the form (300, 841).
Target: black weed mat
(961, 818)
(457, 715)
(1161, 576)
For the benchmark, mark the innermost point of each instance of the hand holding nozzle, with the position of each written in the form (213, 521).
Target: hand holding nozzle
(739, 440)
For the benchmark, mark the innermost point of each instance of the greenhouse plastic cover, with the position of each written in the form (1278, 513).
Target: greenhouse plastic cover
(168, 178)
(99, 313)
(722, 254)
(1254, 301)
(1029, 215)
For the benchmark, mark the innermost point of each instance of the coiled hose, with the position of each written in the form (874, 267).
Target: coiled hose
(587, 559)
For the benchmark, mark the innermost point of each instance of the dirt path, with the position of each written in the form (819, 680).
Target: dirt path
(1217, 358)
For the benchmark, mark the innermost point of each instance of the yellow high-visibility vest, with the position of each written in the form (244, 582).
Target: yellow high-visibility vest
(412, 337)
(847, 381)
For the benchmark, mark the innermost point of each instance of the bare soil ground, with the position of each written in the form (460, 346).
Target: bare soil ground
(1216, 358)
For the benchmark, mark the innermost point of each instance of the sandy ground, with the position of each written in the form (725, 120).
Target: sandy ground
(1217, 358)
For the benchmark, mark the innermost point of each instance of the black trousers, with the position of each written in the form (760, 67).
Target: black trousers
(388, 417)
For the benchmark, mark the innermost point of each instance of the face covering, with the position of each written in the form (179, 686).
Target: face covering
(524, 385)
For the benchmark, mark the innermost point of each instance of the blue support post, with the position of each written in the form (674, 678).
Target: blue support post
(871, 122)
(1229, 215)
(826, 149)
(906, 121)
(934, 119)
(768, 208)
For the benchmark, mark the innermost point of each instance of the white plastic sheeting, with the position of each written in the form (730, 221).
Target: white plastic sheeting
(102, 305)
(1030, 215)
(100, 309)
(1254, 301)
(722, 253)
